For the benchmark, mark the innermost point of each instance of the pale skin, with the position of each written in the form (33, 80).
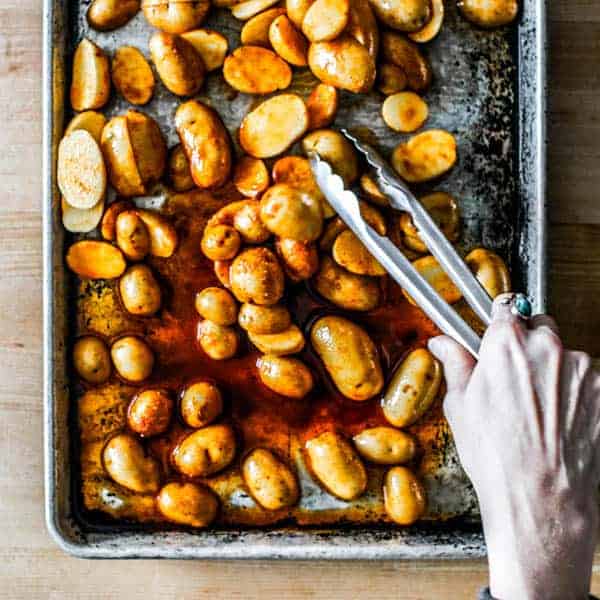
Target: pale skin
(526, 421)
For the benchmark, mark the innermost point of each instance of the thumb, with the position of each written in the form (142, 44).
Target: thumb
(458, 363)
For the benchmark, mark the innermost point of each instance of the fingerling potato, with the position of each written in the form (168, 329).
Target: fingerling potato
(362, 26)
(429, 268)
(489, 13)
(249, 8)
(105, 15)
(133, 359)
(385, 445)
(211, 45)
(109, 219)
(250, 176)
(163, 237)
(391, 79)
(403, 15)
(333, 147)
(180, 175)
(188, 504)
(285, 376)
(218, 305)
(404, 496)
(90, 120)
(404, 112)
(132, 76)
(201, 404)
(217, 341)
(150, 412)
(400, 51)
(90, 84)
(325, 19)
(81, 220)
(300, 259)
(92, 259)
(132, 235)
(258, 319)
(322, 106)
(91, 359)
(175, 16)
(349, 252)
(288, 41)
(256, 277)
(433, 26)
(490, 270)
(255, 31)
(140, 292)
(290, 341)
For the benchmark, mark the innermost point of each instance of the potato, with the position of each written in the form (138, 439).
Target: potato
(206, 144)
(132, 76)
(140, 292)
(490, 271)
(109, 219)
(404, 112)
(126, 462)
(391, 79)
(336, 465)
(105, 15)
(404, 496)
(332, 230)
(403, 15)
(180, 176)
(285, 376)
(150, 412)
(333, 147)
(206, 451)
(429, 268)
(149, 146)
(188, 504)
(163, 237)
(92, 259)
(349, 356)
(325, 19)
(322, 105)
(385, 445)
(93, 122)
(249, 8)
(433, 26)
(255, 31)
(373, 217)
(81, 173)
(217, 305)
(244, 217)
(175, 16)
(211, 45)
(371, 189)
(179, 66)
(296, 10)
(300, 259)
(90, 84)
(91, 359)
(345, 289)
(270, 481)
(291, 213)
(400, 51)
(81, 220)
(250, 176)
(132, 235)
(220, 242)
(343, 63)
(290, 341)
(217, 341)
(489, 13)
(413, 388)
(221, 269)
(288, 41)
(257, 277)
(349, 252)
(201, 404)
(133, 358)
(425, 156)
(362, 26)
(273, 126)
(259, 320)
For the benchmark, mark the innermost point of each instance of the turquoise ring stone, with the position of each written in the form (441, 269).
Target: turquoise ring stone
(522, 307)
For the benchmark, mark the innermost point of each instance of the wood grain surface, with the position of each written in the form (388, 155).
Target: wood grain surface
(31, 566)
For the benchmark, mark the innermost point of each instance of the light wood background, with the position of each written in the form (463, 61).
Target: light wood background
(31, 566)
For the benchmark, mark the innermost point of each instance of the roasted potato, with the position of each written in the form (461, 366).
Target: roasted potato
(362, 26)
(391, 79)
(349, 252)
(180, 175)
(201, 404)
(325, 19)
(90, 84)
(372, 191)
(92, 259)
(175, 16)
(220, 242)
(249, 8)
(150, 412)
(336, 465)
(385, 445)
(322, 105)
(139, 291)
(163, 237)
(219, 342)
(81, 220)
(405, 112)
(433, 26)
(300, 259)
(490, 270)
(255, 31)
(429, 268)
(211, 45)
(132, 76)
(262, 320)
(489, 13)
(217, 305)
(132, 235)
(91, 359)
(256, 277)
(288, 41)
(403, 15)
(404, 496)
(333, 228)
(221, 269)
(400, 51)
(289, 341)
(149, 146)
(188, 504)
(285, 376)
(105, 15)
(250, 176)
(296, 10)
(109, 219)
(93, 122)
(133, 358)
(244, 217)
(333, 147)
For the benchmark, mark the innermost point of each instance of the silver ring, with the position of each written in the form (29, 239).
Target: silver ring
(521, 307)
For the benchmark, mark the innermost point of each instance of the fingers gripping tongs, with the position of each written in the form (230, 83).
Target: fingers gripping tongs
(345, 203)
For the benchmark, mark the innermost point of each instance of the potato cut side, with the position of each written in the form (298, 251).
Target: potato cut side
(132, 76)
(210, 45)
(255, 31)
(93, 122)
(349, 252)
(322, 105)
(81, 220)
(175, 16)
(333, 147)
(296, 10)
(105, 15)
(246, 10)
(405, 112)
(400, 51)
(403, 15)
(325, 20)
(433, 26)
(371, 189)
(489, 13)
(250, 176)
(391, 79)
(429, 268)
(91, 259)
(90, 86)
(288, 41)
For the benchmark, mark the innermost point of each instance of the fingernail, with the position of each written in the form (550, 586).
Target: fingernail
(435, 346)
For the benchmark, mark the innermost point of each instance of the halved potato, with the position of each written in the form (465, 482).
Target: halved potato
(349, 252)
(105, 15)
(90, 120)
(403, 53)
(296, 10)
(325, 19)
(81, 220)
(405, 112)
(362, 26)
(250, 176)
(92, 259)
(132, 75)
(273, 126)
(322, 105)
(288, 41)
(489, 13)
(289, 341)
(210, 45)
(333, 147)
(149, 146)
(255, 31)
(163, 236)
(404, 15)
(247, 9)
(371, 189)
(490, 270)
(300, 259)
(175, 16)
(429, 268)
(391, 79)
(180, 175)
(432, 28)
(109, 220)
(90, 86)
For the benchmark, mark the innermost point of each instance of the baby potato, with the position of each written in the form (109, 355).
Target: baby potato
(211, 45)
(270, 481)
(433, 26)
(256, 70)
(349, 356)
(217, 305)
(221, 268)
(349, 252)
(180, 175)
(404, 496)
(296, 10)
(175, 16)
(336, 465)
(178, 64)
(250, 176)
(343, 63)
(105, 15)
(249, 8)
(248, 224)
(489, 13)
(132, 76)
(385, 445)
(91, 359)
(332, 230)
(206, 144)
(133, 358)
(255, 31)
(81, 220)
(288, 41)
(126, 462)
(260, 320)
(322, 105)
(220, 242)
(425, 156)
(333, 147)
(291, 213)
(325, 19)
(400, 51)
(256, 277)
(413, 388)
(429, 268)
(290, 341)
(217, 341)
(345, 289)
(93, 122)
(188, 504)
(285, 376)
(163, 237)
(391, 79)
(206, 451)
(273, 126)
(201, 404)
(90, 84)
(150, 412)
(490, 270)
(300, 259)
(371, 189)
(149, 146)
(132, 235)
(403, 15)
(92, 259)
(405, 112)
(140, 292)
(362, 26)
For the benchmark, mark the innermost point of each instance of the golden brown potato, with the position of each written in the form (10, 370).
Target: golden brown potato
(244, 217)
(373, 217)
(413, 388)
(163, 237)
(332, 230)
(325, 19)
(343, 63)
(217, 305)
(150, 412)
(345, 289)
(255, 31)
(256, 70)
(188, 504)
(262, 320)
(425, 156)
(178, 64)
(333, 147)
(250, 176)
(336, 465)
(221, 268)
(132, 235)
(201, 404)
(385, 445)
(433, 26)
(175, 16)
(249, 8)
(400, 51)
(140, 292)
(149, 146)
(288, 41)
(273, 126)
(270, 481)
(285, 376)
(211, 45)
(90, 84)
(404, 496)
(296, 10)
(391, 79)
(322, 105)
(90, 120)
(81, 220)
(404, 15)
(349, 252)
(290, 341)
(404, 112)
(489, 13)
(217, 341)
(132, 76)
(109, 219)
(206, 144)
(349, 356)
(91, 359)
(256, 277)
(126, 462)
(300, 259)
(362, 26)
(371, 189)
(206, 451)
(133, 358)
(180, 175)
(490, 270)
(429, 268)
(92, 259)
(220, 242)
(105, 15)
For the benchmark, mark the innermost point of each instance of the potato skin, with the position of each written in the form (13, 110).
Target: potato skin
(296, 10)
(285, 376)
(385, 445)
(363, 27)
(201, 403)
(489, 14)
(490, 271)
(288, 42)
(149, 146)
(90, 86)
(150, 412)
(132, 358)
(244, 217)
(163, 236)
(264, 319)
(211, 45)
(92, 259)
(333, 147)
(430, 269)
(300, 259)
(91, 359)
(288, 341)
(188, 504)
(325, 19)
(349, 252)
(322, 105)
(132, 76)
(132, 235)
(174, 16)
(404, 496)
(403, 15)
(256, 277)
(218, 341)
(255, 31)
(400, 51)
(105, 15)
(139, 291)
(221, 242)
(218, 305)
(251, 177)
(180, 176)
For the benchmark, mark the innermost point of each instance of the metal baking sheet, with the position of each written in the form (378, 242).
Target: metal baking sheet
(489, 89)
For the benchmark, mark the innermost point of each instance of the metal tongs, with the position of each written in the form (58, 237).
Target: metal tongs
(345, 203)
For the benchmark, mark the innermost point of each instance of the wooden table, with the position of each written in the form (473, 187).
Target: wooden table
(31, 566)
